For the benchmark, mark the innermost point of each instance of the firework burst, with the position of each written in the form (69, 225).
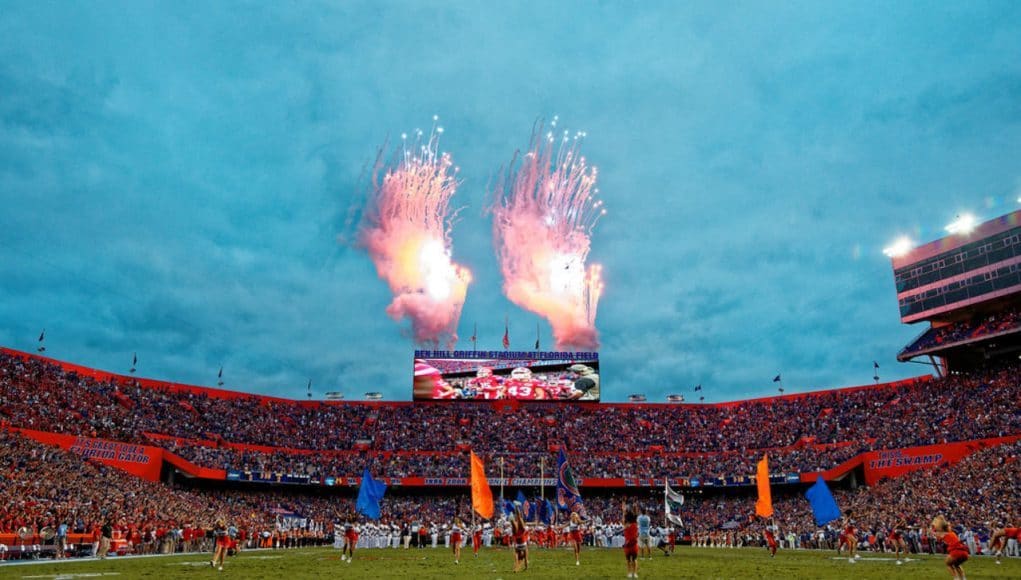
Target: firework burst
(544, 211)
(406, 231)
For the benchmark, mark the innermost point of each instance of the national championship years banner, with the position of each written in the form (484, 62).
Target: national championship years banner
(496, 375)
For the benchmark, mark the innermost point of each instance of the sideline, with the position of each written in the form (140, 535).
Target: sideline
(12, 563)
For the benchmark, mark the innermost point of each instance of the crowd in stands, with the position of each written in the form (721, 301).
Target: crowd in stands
(966, 330)
(803, 433)
(43, 486)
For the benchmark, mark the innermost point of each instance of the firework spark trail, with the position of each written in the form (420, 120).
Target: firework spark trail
(406, 231)
(544, 211)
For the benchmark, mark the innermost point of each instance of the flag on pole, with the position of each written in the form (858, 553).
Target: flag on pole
(875, 365)
(308, 389)
(219, 378)
(370, 492)
(42, 337)
(568, 495)
(670, 499)
(482, 496)
(134, 362)
(698, 387)
(475, 335)
(776, 379)
(824, 507)
(764, 506)
(527, 507)
(506, 335)
(547, 514)
(536, 336)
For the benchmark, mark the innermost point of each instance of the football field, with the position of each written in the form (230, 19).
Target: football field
(497, 563)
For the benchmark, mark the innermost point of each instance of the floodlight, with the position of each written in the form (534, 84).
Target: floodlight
(963, 225)
(899, 247)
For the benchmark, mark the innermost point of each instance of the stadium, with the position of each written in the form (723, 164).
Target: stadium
(638, 448)
(159, 462)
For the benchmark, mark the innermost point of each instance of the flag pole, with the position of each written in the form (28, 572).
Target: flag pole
(542, 477)
(542, 488)
(501, 483)
(666, 520)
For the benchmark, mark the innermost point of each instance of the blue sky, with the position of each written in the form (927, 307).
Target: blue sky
(176, 178)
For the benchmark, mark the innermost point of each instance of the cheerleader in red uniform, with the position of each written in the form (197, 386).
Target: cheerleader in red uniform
(519, 533)
(350, 541)
(222, 544)
(849, 537)
(477, 540)
(957, 552)
(898, 541)
(574, 536)
(1000, 537)
(630, 541)
(770, 534)
(455, 540)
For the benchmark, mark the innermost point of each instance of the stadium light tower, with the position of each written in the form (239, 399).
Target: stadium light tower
(963, 225)
(899, 247)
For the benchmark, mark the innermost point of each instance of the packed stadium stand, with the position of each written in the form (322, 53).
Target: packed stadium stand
(256, 459)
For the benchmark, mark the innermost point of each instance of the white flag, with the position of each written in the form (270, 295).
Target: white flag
(670, 496)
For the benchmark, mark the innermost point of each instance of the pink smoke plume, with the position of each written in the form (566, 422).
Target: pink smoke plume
(544, 211)
(406, 231)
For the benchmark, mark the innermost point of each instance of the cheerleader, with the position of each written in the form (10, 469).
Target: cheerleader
(1000, 539)
(770, 535)
(222, 543)
(898, 541)
(957, 552)
(477, 540)
(630, 541)
(574, 536)
(519, 534)
(455, 540)
(849, 537)
(350, 540)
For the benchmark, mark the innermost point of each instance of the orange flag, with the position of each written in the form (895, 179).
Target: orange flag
(763, 507)
(482, 496)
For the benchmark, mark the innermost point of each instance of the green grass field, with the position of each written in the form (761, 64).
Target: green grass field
(496, 563)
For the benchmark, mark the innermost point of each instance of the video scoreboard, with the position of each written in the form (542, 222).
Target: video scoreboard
(498, 375)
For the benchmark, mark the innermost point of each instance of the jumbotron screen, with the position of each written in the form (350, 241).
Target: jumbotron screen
(495, 375)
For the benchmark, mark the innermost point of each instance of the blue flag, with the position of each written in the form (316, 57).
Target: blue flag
(369, 495)
(546, 512)
(824, 507)
(508, 507)
(527, 507)
(568, 496)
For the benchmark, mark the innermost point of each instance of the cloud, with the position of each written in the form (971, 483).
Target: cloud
(173, 179)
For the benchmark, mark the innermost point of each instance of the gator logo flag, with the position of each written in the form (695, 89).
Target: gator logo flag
(568, 495)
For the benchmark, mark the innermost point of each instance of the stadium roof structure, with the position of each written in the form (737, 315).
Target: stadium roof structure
(967, 285)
